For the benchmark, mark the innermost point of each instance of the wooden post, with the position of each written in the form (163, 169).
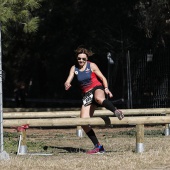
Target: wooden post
(22, 146)
(80, 132)
(139, 138)
(166, 129)
(23, 139)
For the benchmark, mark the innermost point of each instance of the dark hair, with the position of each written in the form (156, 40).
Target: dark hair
(83, 50)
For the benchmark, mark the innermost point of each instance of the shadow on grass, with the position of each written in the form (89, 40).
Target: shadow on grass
(67, 149)
(71, 149)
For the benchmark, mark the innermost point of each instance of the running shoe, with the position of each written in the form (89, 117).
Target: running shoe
(119, 114)
(98, 149)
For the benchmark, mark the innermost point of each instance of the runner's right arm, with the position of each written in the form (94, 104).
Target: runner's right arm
(67, 84)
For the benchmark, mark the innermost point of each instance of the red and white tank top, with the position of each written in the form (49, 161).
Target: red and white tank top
(87, 79)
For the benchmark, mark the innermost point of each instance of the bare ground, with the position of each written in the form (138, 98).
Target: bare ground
(68, 150)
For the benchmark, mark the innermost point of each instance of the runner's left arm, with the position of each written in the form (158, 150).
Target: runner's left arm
(97, 71)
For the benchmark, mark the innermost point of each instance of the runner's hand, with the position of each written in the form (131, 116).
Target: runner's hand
(107, 91)
(67, 86)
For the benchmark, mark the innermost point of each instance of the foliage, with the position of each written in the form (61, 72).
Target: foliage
(18, 13)
(38, 47)
(153, 17)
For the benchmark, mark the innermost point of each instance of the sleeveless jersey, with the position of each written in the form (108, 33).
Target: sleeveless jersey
(87, 79)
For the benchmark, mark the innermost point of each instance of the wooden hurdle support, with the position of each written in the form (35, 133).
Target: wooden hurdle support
(20, 114)
(139, 122)
(22, 144)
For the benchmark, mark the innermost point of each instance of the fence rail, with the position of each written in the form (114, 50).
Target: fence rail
(60, 114)
(87, 121)
(56, 119)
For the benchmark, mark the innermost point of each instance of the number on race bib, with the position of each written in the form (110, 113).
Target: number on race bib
(87, 99)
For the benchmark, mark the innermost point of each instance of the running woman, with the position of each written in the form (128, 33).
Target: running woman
(94, 88)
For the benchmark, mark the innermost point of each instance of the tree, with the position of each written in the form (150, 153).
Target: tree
(18, 20)
(19, 13)
(153, 17)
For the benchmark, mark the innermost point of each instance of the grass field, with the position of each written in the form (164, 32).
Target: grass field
(68, 150)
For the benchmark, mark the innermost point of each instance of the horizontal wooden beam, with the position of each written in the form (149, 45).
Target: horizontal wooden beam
(53, 114)
(60, 122)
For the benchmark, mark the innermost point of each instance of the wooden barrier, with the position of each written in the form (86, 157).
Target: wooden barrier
(55, 114)
(138, 121)
(59, 122)
(71, 119)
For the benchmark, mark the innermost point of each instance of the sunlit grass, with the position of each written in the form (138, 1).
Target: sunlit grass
(69, 151)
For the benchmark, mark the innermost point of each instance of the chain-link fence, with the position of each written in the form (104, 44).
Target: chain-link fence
(150, 76)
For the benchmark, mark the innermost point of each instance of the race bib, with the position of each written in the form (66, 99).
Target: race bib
(87, 99)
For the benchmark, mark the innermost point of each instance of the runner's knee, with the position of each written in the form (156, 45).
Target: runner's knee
(99, 100)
